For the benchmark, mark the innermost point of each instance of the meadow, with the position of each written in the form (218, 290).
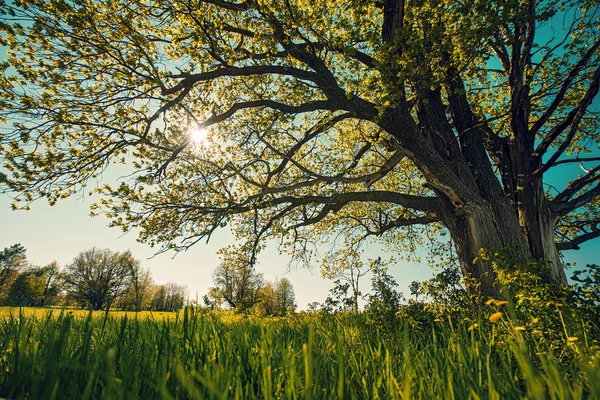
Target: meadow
(208, 355)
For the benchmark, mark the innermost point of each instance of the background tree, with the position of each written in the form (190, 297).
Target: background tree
(346, 268)
(97, 276)
(285, 297)
(402, 119)
(235, 279)
(385, 300)
(277, 298)
(36, 286)
(267, 304)
(138, 293)
(169, 297)
(13, 261)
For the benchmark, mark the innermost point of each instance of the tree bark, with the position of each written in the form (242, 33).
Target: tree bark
(538, 222)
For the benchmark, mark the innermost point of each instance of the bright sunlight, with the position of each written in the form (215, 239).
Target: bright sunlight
(199, 135)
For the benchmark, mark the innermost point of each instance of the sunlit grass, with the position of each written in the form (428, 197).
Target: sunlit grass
(227, 356)
(44, 311)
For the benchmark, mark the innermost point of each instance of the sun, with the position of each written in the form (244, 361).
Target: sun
(198, 135)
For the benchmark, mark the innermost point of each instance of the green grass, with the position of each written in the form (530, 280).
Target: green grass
(74, 356)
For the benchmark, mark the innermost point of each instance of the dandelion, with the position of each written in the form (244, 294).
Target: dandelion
(489, 302)
(519, 328)
(495, 317)
(473, 327)
(500, 303)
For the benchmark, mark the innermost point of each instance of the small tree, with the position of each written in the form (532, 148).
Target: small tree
(12, 262)
(385, 300)
(235, 279)
(346, 267)
(97, 276)
(285, 297)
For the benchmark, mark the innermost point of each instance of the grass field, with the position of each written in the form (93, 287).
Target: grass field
(44, 311)
(80, 355)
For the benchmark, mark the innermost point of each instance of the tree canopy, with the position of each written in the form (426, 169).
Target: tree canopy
(96, 277)
(399, 120)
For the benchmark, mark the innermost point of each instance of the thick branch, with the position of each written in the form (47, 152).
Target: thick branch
(561, 204)
(573, 244)
(393, 17)
(190, 80)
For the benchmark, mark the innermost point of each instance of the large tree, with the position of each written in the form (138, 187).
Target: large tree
(392, 118)
(97, 276)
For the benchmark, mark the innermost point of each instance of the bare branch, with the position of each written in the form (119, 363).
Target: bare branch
(576, 160)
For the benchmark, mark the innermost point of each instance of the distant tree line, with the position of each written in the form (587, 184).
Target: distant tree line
(96, 278)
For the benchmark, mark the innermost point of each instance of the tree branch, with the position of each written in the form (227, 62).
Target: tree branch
(573, 244)
(561, 206)
(565, 87)
(576, 160)
(189, 80)
(572, 118)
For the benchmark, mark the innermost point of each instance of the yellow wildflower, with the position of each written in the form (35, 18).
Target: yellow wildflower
(519, 328)
(490, 301)
(500, 303)
(472, 327)
(572, 339)
(495, 317)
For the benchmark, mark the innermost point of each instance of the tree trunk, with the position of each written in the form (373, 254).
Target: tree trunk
(538, 222)
(477, 230)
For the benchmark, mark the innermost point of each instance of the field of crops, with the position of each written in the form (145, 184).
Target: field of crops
(79, 355)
